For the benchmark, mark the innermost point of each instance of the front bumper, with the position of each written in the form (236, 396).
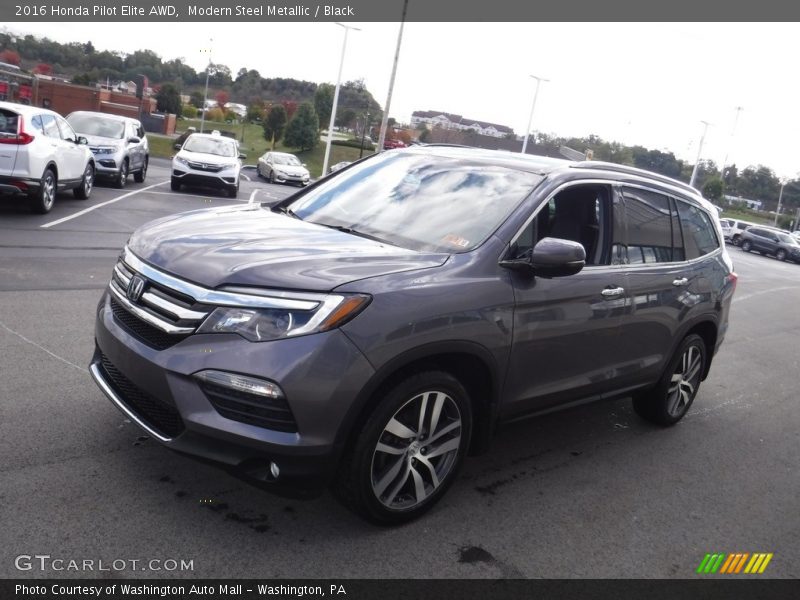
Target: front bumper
(320, 375)
(301, 179)
(222, 180)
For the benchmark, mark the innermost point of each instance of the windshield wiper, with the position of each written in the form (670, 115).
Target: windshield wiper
(352, 231)
(285, 210)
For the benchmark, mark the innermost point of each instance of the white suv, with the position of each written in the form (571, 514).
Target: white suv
(732, 229)
(209, 160)
(41, 154)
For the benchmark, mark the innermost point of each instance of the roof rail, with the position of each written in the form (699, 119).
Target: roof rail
(607, 166)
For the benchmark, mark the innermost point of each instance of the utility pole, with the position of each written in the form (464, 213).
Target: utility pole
(539, 81)
(205, 94)
(385, 120)
(347, 29)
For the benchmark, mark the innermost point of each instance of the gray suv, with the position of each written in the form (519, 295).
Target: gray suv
(771, 241)
(371, 330)
(119, 145)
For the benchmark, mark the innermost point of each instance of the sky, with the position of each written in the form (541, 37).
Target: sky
(650, 84)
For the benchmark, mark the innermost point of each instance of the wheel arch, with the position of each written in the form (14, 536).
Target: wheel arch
(472, 364)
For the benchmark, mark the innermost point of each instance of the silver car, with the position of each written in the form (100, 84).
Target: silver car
(119, 145)
(280, 167)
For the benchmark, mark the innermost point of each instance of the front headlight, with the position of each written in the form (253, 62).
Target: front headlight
(264, 324)
(182, 160)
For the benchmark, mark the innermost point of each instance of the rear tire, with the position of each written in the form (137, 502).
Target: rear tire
(396, 470)
(669, 401)
(84, 190)
(175, 185)
(42, 200)
(140, 175)
(747, 246)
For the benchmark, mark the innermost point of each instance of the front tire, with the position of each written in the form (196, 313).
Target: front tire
(84, 190)
(140, 175)
(42, 200)
(781, 255)
(121, 180)
(271, 178)
(233, 191)
(175, 184)
(747, 246)
(409, 450)
(670, 400)
(736, 240)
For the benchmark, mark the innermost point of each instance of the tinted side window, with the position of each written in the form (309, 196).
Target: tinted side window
(741, 225)
(699, 236)
(36, 123)
(648, 216)
(50, 127)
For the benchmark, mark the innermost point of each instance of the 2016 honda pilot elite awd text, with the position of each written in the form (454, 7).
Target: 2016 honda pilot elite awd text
(372, 329)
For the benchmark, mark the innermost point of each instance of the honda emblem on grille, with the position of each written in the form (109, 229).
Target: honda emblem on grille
(135, 288)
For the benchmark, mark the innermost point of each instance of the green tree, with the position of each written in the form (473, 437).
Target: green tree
(275, 124)
(712, 189)
(168, 99)
(323, 103)
(196, 99)
(303, 130)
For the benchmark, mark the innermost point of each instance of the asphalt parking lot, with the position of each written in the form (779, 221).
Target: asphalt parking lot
(590, 492)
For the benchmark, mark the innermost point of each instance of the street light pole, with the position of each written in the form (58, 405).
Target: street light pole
(385, 120)
(780, 198)
(699, 151)
(539, 81)
(363, 134)
(205, 94)
(347, 29)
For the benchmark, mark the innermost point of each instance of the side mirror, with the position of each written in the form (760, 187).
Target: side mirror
(242, 156)
(134, 140)
(551, 257)
(177, 146)
(304, 164)
(82, 140)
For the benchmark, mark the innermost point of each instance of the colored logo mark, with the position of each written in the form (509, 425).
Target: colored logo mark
(731, 564)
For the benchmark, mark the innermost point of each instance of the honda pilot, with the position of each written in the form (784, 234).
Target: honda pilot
(370, 331)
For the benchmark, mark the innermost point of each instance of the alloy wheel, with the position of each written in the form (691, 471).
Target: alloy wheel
(685, 381)
(48, 191)
(417, 450)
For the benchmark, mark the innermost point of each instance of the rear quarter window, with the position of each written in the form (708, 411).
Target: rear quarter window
(8, 122)
(699, 235)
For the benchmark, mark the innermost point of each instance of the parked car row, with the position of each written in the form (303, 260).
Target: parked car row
(42, 153)
(771, 242)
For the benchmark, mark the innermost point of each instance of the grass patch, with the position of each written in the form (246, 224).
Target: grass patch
(254, 145)
(747, 215)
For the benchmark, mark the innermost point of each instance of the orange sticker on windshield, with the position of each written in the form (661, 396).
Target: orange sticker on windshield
(455, 240)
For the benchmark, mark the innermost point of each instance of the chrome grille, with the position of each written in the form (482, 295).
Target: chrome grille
(205, 167)
(164, 311)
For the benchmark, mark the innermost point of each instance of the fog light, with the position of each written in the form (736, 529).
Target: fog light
(241, 383)
(273, 468)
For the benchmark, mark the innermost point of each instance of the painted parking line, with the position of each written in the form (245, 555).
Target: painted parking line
(252, 196)
(102, 204)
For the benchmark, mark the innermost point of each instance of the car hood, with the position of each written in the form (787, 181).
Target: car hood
(97, 140)
(252, 246)
(291, 169)
(202, 157)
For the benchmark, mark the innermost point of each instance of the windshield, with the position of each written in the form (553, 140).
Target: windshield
(787, 239)
(93, 125)
(421, 202)
(219, 147)
(286, 159)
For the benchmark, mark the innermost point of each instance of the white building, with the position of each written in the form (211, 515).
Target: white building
(432, 118)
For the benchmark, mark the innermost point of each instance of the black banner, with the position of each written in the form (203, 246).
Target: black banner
(214, 11)
(408, 589)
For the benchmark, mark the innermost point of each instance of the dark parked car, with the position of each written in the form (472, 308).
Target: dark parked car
(374, 328)
(774, 242)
